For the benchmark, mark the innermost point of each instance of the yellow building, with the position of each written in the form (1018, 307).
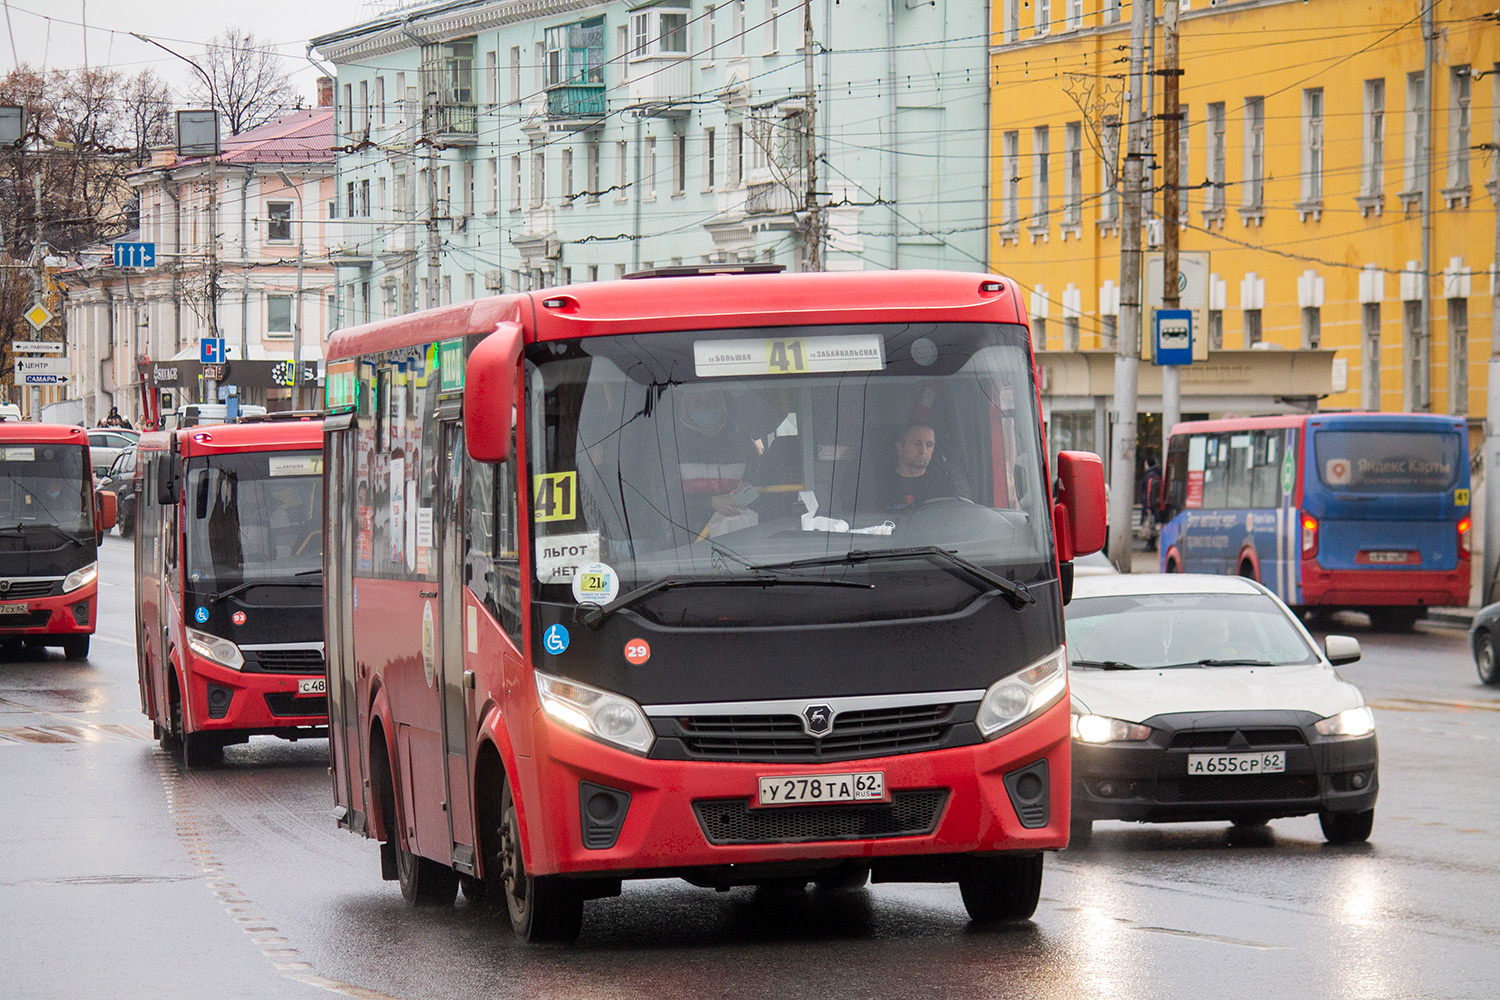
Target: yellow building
(1306, 136)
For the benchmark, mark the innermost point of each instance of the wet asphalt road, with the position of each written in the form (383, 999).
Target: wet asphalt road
(122, 876)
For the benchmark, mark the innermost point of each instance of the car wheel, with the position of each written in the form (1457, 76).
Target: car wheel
(847, 876)
(1484, 658)
(1347, 828)
(1249, 822)
(1002, 888)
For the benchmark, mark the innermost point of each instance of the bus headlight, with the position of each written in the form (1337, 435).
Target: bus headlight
(80, 577)
(596, 713)
(212, 647)
(1350, 722)
(1016, 698)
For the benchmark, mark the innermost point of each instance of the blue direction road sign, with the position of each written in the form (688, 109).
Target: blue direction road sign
(211, 350)
(1174, 336)
(135, 255)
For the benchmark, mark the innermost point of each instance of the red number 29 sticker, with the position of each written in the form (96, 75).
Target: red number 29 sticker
(637, 651)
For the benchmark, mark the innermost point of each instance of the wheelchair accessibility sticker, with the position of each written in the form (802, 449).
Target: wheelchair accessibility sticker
(555, 639)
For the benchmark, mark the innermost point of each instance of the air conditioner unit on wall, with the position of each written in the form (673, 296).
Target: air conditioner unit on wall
(494, 280)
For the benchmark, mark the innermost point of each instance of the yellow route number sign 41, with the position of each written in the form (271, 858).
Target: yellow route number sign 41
(554, 496)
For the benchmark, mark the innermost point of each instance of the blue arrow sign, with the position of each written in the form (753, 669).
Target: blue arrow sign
(135, 255)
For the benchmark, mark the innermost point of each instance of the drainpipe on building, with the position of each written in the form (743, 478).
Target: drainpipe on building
(890, 49)
(105, 358)
(635, 228)
(1491, 465)
(245, 265)
(1423, 388)
(166, 185)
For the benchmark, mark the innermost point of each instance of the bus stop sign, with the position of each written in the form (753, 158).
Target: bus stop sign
(1174, 336)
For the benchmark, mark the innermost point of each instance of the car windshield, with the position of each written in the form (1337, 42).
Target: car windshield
(709, 454)
(1166, 630)
(254, 518)
(45, 484)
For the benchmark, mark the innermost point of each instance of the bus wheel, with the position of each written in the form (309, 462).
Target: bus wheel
(542, 907)
(424, 882)
(1002, 888)
(201, 750)
(168, 737)
(1247, 570)
(844, 877)
(76, 647)
(1396, 619)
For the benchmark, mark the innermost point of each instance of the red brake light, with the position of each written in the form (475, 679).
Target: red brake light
(1465, 536)
(1309, 536)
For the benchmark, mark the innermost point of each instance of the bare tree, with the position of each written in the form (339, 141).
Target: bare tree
(148, 101)
(250, 87)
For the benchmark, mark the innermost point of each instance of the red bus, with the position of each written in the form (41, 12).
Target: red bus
(51, 522)
(739, 578)
(228, 582)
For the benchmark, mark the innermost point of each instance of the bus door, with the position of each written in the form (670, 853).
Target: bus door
(148, 583)
(458, 721)
(345, 727)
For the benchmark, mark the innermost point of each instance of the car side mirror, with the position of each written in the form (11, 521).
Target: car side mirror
(1341, 649)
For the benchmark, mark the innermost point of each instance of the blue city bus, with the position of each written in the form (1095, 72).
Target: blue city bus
(1332, 511)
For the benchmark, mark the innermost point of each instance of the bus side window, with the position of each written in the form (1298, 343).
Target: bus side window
(1265, 488)
(1215, 467)
(492, 567)
(1237, 471)
(1177, 474)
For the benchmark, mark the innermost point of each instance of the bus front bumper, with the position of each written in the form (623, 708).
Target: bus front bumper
(1362, 588)
(687, 816)
(62, 614)
(227, 701)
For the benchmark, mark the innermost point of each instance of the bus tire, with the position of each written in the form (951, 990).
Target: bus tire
(1080, 832)
(542, 908)
(76, 647)
(169, 738)
(1003, 888)
(1396, 619)
(843, 878)
(1484, 658)
(1248, 571)
(200, 750)
(423, 881)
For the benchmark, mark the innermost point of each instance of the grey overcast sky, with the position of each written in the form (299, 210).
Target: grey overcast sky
(50, 33)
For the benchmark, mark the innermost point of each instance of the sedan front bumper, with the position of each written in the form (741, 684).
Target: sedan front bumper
(1148, 781)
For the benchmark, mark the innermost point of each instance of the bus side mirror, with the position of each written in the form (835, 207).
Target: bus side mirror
(490, 394)
(105, 510)
(166, 486)
(1079, 515)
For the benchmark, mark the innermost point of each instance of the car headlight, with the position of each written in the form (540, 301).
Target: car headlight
(212, 647)
(82, 576)
(596, 713)
(1016, 698)
(1350, 722)
(1102, 729)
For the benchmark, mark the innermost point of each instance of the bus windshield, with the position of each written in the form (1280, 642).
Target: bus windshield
(715, 454)
(45, 484)
(1388, 461)
(254, 518)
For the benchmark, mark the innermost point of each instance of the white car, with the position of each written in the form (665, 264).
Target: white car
(105, 445)
(1202, 698)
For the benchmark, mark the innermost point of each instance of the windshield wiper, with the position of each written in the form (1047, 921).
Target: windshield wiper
(1017, 593)
(241, 588)
(1220, 663)
(21, 527)
(1104, 664)
(758, 579)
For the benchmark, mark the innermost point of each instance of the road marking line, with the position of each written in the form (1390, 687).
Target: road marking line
(1214, 938)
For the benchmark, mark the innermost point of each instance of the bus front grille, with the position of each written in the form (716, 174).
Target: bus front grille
(290, 661)
(23, 589)
(284, 705)
(877, 732)
(908, 814)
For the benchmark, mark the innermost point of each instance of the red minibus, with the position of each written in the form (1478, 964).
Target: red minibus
(742, 578)
(51, 521)
(229, 580)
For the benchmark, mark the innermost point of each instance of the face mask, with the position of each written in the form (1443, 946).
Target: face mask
(705, 420)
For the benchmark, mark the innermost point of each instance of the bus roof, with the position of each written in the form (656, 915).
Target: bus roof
(28, 431)
(1364, 418)
(258, 435)
(710, 301)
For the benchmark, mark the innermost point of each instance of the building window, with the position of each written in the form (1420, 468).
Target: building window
(658, 31)
(279, 314)
(1184, 175)
(1416, 125)
(648, 180)
(491, 79)
(593, 171)
(1372, 170)
(1216, 329)
(1416, 354)
(380, 101)
(1072, 173)
(737, 28)
(1041, 155)
(1012, 29)
(538, 176)
(622, 169)
(773, 12)
(1111, 11)
(709, 150)
(736, 155)
(1010, 199)
(1369, 392)
(349, 109)
(1213, 201)
(1043, 23)
(1458, 356)
(1312, 145)
(492, 185)
(515, 74)
(575, 59)
(515, 182)
(679, 164)
(1458, 129)
(1109, 170)
(1074, 14)
(468, 191)
(279, 220)
(566, 195)
(1255, 153)
(1252, 327)
(1312, 327)
(364, 107)
(710, 34)
(1070, 333)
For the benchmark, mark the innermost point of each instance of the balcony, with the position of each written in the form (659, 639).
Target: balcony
(579, 105)
(661, 87)
(453, 124)
(772, 205)
(353, 243)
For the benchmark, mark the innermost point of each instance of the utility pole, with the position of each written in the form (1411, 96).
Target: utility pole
(38, 281)
(1422, 391)
(1492, 421)
(810, 141)
(434, 242)
(1171, 375)
(1128, 346)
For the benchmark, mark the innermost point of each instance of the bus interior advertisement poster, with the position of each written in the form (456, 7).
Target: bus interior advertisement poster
(1197, 448)
(397, 492)
(424, 539)
(1388, 461)
(411, 525)
(340, 386)
(451, 365)
(789, 356)
(366, 543)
